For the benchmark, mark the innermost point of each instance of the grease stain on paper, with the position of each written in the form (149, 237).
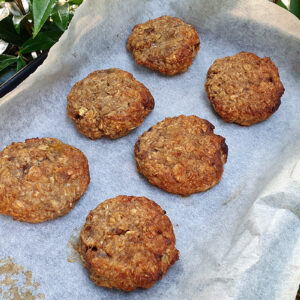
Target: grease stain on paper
(16, 283)
(72, 247)
(235, 195)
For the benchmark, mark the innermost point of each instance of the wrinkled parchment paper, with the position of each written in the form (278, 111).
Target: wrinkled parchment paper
(239, 240)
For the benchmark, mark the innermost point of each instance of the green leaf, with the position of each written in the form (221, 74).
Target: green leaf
(60, 15)
(76, 2)
(17, 23)
(70, 17)
(8, 33)
(6, 60)
(21, 63)
(43, 41)
(295, 7)
(50, 26)
(280, 3)
(41, 12)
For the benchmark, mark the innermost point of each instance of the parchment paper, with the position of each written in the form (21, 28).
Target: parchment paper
(239, 240)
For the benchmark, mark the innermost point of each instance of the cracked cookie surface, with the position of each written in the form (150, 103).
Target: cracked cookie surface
(41, 179)
(127, 242)
(166, 44)
(108, 103)
(181, 155)
(244, 88)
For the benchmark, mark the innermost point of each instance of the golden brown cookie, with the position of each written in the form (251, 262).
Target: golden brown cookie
(181, 155)
(108, 103)
(165, 44)
(244, 88)
(41, 179)
(127, 243)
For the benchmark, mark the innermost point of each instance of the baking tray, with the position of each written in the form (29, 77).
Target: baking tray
(237, 240)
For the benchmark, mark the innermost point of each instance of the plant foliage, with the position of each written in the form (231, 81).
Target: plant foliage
(30, 27)
(294, 6)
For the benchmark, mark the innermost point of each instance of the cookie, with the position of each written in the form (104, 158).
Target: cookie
(244, 88)
(181, 155)
(127, 243)
(165, 44)
(108, 103)
(41, 179)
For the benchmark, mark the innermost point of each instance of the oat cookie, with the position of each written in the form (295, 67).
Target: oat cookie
(41, 179)
(244, 88)
(108, 103)
(165, 44)
(181, 155)
(127, 243)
